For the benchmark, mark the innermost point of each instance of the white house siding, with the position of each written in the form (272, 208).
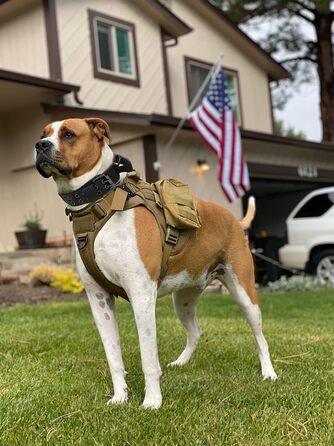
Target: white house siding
(206, 42)
(23, 187)
(179, 162)
(77, 64)
(23, 45)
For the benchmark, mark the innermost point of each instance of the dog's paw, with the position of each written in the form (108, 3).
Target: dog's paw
(177, 363)
(118, 399)
(269, 374)
(152, 403)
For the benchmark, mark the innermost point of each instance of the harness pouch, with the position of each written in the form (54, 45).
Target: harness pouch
(178, 204)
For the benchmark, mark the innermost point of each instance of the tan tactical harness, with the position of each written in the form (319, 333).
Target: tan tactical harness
(171, 203)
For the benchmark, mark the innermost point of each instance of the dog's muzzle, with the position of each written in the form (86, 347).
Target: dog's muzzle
(45, 159)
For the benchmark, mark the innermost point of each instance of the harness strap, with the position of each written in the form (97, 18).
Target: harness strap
(88, 222)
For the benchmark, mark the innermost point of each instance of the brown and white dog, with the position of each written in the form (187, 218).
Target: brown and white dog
(128, 252)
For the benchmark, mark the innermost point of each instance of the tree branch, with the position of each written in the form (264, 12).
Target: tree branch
(304, 17)
(296, 59)
(302, 5)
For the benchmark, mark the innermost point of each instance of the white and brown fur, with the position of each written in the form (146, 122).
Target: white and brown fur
(128, 252)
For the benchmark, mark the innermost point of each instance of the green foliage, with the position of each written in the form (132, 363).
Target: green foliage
(296, 283)
(55, 380)
(33, 220)
(281, 130)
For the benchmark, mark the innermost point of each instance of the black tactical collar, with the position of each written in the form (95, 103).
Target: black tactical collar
(100, 185)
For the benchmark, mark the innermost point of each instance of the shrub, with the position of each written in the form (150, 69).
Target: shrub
(67, 281)
(296, 283)
(43, 274)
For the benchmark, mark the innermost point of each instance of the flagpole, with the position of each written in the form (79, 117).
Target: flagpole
(210, 75)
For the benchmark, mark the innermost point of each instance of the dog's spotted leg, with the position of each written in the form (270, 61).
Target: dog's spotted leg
(103, 309)
(185, 302)
(143, 304)
(252, 313)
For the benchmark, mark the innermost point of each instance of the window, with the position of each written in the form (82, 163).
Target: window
(316, 206)
(114, 49)
(197, 71)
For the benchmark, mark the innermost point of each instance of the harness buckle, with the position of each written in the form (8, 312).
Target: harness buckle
(68, 213)
(98, 211)
(82, 240)
(172, 235)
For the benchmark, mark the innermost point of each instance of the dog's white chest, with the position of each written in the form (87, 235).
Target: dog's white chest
(116, 251)
(118, 257)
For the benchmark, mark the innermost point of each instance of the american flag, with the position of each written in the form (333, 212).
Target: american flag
(215, 121)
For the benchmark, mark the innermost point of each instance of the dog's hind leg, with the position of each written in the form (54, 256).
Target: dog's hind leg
(239, 281)
(185, 302)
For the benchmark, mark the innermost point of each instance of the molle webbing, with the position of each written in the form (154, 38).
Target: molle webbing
(89, 221)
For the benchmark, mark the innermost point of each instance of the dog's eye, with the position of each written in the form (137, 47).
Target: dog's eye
(68, 135)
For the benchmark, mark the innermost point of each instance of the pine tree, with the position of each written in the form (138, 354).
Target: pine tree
(288, 37)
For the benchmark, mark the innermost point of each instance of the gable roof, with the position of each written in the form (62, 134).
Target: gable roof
(274, 69)
(165, 17)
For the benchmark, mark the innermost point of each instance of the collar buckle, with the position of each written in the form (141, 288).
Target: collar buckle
(108, 182)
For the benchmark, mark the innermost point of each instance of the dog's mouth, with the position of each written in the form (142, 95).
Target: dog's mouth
(48, 167)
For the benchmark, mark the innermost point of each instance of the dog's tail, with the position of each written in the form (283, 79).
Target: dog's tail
(248, 218)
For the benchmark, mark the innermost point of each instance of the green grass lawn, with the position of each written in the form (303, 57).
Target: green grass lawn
(54, 380)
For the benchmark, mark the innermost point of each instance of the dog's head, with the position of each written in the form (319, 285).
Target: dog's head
(71, 147)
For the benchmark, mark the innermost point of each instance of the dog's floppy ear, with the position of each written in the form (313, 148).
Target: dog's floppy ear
(99, 127)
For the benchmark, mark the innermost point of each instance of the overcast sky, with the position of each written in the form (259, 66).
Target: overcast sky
(302, 110)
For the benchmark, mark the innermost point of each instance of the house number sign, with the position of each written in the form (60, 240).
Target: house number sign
(307, 171)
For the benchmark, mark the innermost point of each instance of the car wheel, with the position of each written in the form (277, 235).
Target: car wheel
(323, 266)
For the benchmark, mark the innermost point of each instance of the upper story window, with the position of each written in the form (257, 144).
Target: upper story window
(196, 72)
(114, 49)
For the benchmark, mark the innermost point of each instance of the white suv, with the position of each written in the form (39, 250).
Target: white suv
(310, 234)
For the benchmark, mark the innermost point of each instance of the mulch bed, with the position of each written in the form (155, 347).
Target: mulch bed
(15, 293)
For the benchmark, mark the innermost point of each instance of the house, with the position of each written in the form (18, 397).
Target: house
(137, 64)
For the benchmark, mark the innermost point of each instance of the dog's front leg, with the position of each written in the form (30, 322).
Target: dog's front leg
(103, 309)
(143, 304)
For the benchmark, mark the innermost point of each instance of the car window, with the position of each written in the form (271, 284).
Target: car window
(316, 206)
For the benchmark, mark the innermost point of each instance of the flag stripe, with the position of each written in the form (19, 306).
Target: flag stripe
(212, 142)
(215, 122)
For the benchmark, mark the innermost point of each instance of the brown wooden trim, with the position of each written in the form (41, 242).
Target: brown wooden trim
(189, 60)
(172, 121)
(268, 137)
(62, 87)
(164, 34)
(257, 170)
(65, 111)
(169, 18)
(51, 31)
(106, 76)
(150, 155)
(271, 107)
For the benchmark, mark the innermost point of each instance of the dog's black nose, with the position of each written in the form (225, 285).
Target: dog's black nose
(43, 145)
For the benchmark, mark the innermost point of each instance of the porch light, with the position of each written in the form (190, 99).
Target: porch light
(201, 166)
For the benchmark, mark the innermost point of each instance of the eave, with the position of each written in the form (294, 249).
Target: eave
(154, 119)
